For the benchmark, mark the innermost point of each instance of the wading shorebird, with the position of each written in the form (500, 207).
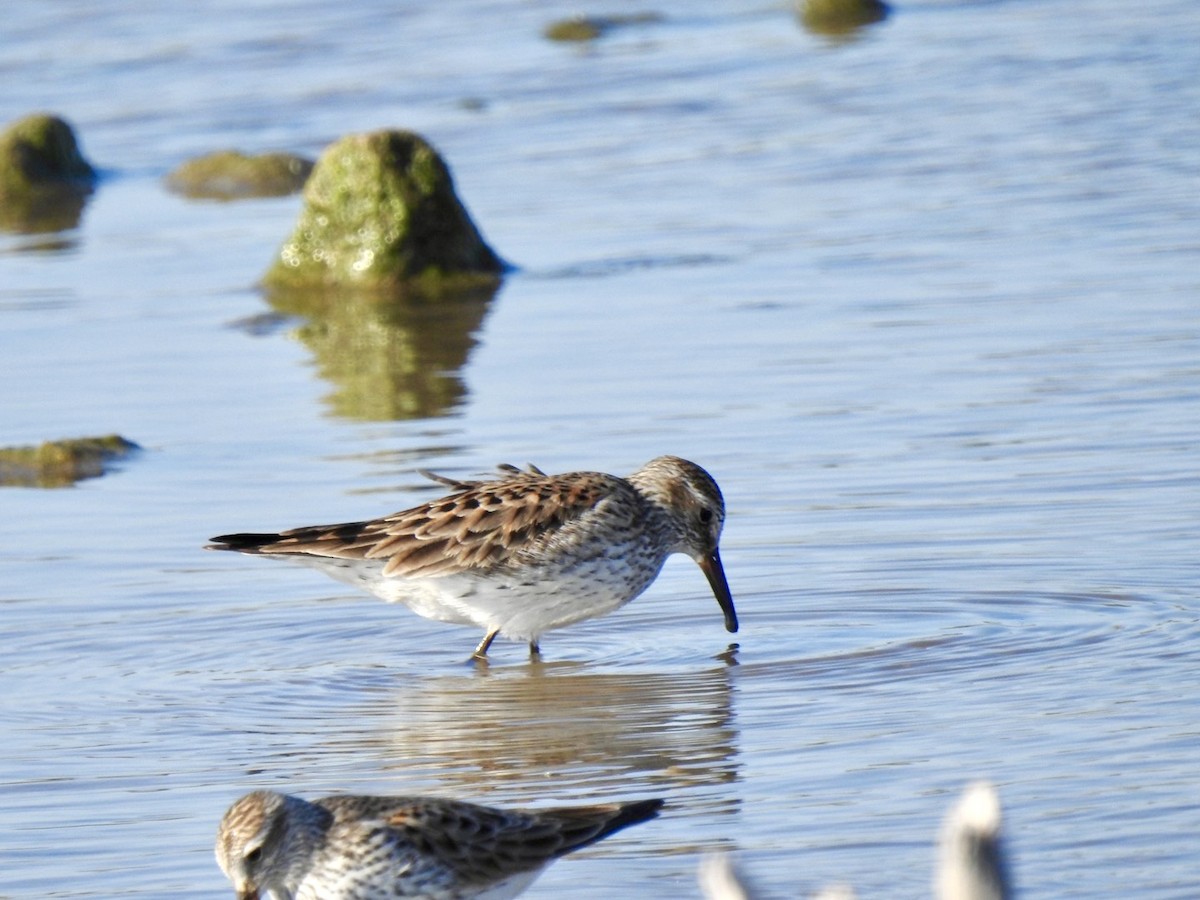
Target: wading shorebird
(524, 553)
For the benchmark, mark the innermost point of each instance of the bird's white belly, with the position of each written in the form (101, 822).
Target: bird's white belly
(522, 603)
(352, 886)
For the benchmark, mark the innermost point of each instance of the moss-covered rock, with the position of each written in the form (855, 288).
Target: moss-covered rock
(380, 213)
(588, 28)
(840, 18)
(38, 151)
(232, 175)
(61, 463)
(44, 179)
(389, 356)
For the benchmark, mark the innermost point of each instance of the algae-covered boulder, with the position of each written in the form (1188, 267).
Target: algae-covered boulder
(61, 463)
(232, 175)
(380, 213)
(44, 179)
(840, 18)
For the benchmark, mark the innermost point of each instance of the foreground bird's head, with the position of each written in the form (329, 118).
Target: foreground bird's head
(695, 511)
(262, 837)
(971, 859)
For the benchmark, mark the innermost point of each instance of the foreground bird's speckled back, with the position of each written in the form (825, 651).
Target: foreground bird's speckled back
(367, 848)
(525, 553)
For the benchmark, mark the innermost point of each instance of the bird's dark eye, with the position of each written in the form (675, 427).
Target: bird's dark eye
(254, 855)
(706, 515)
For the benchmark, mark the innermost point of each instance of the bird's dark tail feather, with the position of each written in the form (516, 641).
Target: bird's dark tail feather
(587, 829)
(245, 542)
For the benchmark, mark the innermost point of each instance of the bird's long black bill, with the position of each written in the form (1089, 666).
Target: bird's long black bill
(715, 573)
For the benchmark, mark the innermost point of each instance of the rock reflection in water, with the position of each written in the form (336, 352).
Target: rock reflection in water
(390, 355)
(583, 729)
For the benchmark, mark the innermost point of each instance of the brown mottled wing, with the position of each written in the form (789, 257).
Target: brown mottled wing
(482, 525)
(482, 844)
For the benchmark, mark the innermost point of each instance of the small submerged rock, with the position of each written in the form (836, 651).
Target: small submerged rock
(61, 463)
(380, 213)
(233, 175)
(44, 179)
(588, 28)
(840, 18)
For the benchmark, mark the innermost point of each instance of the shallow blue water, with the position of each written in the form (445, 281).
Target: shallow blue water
(926, 303)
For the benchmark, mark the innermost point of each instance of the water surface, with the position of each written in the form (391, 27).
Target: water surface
(926, 303)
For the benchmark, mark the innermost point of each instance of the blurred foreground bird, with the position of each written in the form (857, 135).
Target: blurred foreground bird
(368, 848)
(971, 864)
(971, 860)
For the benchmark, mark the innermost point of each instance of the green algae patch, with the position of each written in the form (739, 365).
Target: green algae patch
(389, 356)
(232, 175)
(62, 463)
(380, 214)
(588, 28)
(44, 179)
(840, 18)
